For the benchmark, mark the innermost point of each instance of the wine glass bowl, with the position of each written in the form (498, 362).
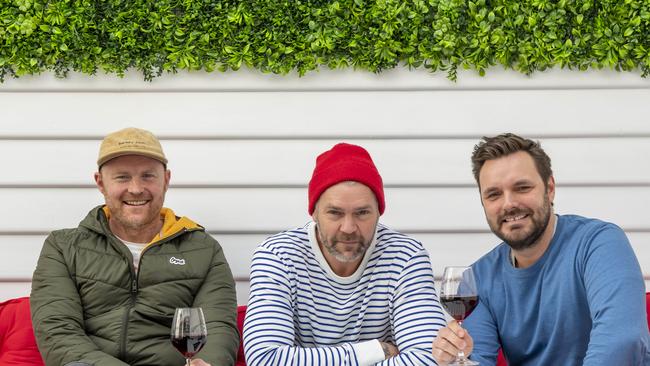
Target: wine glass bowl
(189, 332)
(459, 297)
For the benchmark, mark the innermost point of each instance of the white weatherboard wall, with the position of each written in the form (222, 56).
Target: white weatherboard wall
(242, 147)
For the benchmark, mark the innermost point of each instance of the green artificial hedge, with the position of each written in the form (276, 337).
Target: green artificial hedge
(156, 36)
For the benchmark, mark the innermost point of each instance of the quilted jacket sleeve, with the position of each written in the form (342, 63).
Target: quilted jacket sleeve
(57, 313)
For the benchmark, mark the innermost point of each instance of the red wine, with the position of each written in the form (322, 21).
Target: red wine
(189, 345)
(459, 307)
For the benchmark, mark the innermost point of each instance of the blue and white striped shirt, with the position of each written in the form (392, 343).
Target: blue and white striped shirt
(301, 313)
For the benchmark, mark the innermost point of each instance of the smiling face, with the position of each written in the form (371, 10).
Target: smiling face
(134, 189)
(346, 216)
(516, 201)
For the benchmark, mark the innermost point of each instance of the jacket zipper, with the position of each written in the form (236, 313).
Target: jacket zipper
(125, 319)
(134, 292)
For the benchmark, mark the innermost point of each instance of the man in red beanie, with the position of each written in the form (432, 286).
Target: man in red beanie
(343, 289)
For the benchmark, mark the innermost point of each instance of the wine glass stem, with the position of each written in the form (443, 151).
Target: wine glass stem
(189, 360)
(461, 353)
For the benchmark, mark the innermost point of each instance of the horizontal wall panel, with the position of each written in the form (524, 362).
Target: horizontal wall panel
(321, 114)
(288, 162)
(444, 250)
(394, 79)
(12, 290)
(270, 209)
(243, 289)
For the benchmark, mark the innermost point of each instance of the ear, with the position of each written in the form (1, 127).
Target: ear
(168, 176)
(550, 189)
(100, 183)
(315, 213)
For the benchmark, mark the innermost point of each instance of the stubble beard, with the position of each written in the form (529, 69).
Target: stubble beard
(135, 222)
(331, 247)
(540, 220)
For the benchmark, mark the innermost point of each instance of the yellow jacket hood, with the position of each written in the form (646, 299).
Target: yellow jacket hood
(172, 224)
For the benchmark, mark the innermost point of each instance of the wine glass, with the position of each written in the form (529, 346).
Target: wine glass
(189, 332)
(459, 297)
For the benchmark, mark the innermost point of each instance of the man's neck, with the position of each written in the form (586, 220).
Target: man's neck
(525, 258)
(136, 235)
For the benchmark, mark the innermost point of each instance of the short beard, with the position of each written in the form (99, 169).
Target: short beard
(538, 227)
(133, 224)
(346, 258)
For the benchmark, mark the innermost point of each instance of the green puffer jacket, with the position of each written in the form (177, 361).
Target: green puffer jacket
(89, 305)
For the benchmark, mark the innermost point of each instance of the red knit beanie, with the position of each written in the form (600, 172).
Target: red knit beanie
(342, 163)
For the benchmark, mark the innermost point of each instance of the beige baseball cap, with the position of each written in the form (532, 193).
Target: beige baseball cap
(130, 141)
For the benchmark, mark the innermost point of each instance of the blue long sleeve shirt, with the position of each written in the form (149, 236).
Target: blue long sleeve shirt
(581, 303)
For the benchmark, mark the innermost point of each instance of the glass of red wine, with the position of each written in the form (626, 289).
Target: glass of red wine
(459, 297)
(189, 332)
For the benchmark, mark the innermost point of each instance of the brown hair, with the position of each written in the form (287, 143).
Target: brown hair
(508, 143)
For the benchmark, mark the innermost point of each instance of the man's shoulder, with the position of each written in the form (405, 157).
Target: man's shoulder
(580, 228)
(287, 240)
(492, 260)
(70, 236)
(391, 240)
(585, 222)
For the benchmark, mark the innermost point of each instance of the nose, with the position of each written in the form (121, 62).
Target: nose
(135, 187)
(509, 201)
(348, 226)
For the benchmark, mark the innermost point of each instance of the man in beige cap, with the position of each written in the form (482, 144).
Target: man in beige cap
(105, 293)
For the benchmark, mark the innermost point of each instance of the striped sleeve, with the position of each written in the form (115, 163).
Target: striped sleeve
(269, 326)
(416, 314)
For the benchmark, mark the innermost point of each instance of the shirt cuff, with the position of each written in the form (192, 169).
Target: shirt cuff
(368, 352)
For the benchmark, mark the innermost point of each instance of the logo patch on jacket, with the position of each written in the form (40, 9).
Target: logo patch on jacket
(174, 260)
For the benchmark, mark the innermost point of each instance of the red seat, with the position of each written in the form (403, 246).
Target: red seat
(241, 314)
(17, 343)
(647, 307)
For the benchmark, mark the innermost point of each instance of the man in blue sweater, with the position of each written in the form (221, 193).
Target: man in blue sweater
(561, 289)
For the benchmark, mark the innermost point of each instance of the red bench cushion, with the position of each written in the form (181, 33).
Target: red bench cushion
(647, 307)
(17, 343)
(241, 314)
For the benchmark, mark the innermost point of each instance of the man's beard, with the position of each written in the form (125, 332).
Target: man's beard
(331, 246)
(539, 218)
(136, 224)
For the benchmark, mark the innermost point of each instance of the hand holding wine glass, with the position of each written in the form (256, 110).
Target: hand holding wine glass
(458, 295)
(189, 332)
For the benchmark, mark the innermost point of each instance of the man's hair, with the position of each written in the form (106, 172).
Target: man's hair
(508, 143)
